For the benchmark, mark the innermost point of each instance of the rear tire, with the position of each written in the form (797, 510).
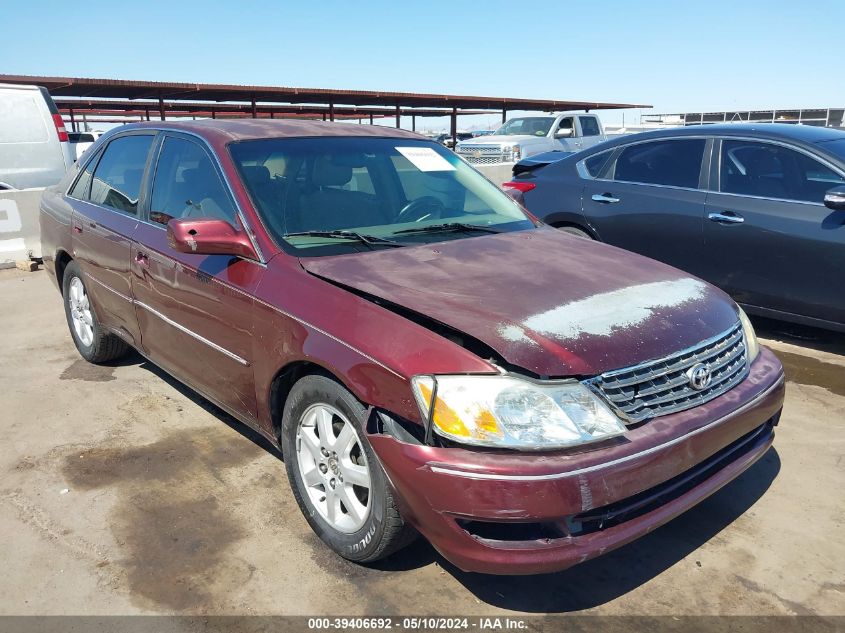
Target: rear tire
(335, 475)
(574, 230)
(95, 343)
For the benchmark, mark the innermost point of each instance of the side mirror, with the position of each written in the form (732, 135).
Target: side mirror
(835, 198)
(208, 237)
(564, 133)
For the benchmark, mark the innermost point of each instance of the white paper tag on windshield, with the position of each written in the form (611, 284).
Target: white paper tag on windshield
(425, 159)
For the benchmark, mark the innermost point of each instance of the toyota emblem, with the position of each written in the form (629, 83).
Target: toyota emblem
(699, 376)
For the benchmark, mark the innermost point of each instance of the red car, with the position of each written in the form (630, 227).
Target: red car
(429, 357)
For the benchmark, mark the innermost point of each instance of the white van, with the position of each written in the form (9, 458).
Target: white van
(34, 148)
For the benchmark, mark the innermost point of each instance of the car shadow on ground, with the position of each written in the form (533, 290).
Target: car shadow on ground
(134, 358)
(802, 335)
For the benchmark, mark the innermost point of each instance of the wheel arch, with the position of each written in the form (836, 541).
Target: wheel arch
(583, 226)
(62, 260)
(284, 380)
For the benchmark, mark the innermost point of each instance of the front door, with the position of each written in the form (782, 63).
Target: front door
(195, 311)
(105, 202)
(774, 242)
(650, 201)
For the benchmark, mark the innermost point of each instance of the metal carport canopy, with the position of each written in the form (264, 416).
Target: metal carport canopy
(125, 89)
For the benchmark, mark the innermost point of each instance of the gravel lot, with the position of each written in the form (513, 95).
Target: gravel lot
(122, 492)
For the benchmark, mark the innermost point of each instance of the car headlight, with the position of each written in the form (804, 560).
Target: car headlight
(752, 347)
(511, 412)
(517, 153)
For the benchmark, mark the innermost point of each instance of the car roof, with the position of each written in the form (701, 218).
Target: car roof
(251, 129)
(772, 131)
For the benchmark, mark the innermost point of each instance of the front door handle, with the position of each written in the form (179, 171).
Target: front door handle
(726, 217)
(604, 198)
(142, 259)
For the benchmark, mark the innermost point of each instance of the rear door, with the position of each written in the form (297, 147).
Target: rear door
(650, 198)
(774, 242)
(195, 311)
(105, 200)
(589, 132)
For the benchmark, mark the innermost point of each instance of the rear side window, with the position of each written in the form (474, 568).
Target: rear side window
(186, 184)
(674, 163)
(21, 119)
(589, 126)
(773, 171)
(117, 177)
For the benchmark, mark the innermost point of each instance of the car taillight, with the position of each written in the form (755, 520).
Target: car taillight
(60, 127)
(524, 187)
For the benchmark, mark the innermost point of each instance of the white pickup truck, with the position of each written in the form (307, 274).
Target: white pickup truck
(525, 136)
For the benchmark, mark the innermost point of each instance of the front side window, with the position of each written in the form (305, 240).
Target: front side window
(589, 126)
(532, 126)
(186, 184)
(117, 177)
(673, 163)
(382, 187)
(765, 170)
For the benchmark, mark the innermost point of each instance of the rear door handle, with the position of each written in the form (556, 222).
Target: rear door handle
(726, 217)
(604, 198)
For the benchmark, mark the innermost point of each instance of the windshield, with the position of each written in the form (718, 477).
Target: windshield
(837, 147)
(532, 125)
(371, 187)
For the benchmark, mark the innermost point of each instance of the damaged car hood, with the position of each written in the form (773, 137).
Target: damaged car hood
(550, 303)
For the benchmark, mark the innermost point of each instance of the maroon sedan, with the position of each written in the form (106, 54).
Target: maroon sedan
(428, 356)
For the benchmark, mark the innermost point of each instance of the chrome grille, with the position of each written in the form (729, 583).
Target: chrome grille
(481, 154)
(660, 387)
(483, 160)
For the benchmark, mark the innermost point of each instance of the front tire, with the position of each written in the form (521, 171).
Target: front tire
(95, 343)
(335, 476)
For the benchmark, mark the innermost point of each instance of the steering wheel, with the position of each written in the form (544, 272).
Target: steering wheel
(416, 207)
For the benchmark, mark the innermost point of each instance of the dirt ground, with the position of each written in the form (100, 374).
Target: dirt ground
(123, 492)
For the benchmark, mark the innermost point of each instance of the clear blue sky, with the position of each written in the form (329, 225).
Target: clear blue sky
(680, 56)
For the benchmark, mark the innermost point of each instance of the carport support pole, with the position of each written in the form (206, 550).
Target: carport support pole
(272, 114)
(254, 111)
(398, 114)
(213, 114)
(454, 127)
(331, 112)
(504, 115)
(371, 118)
(147, 110)
(72, 121)
(161, 108)
(413, 123)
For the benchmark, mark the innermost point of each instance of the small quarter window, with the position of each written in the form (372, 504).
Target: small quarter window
(117, 178)
(82, 188)
(595, 164)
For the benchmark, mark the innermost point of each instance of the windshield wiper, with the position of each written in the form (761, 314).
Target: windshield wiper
(369, 240)
(447, 227)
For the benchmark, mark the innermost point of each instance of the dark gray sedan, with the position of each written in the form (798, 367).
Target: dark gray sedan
(758, 210)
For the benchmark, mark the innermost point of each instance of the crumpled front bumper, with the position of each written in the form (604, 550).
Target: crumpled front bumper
(593, 500)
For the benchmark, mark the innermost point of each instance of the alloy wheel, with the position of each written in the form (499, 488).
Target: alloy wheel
(334, 468)
(80, 312)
